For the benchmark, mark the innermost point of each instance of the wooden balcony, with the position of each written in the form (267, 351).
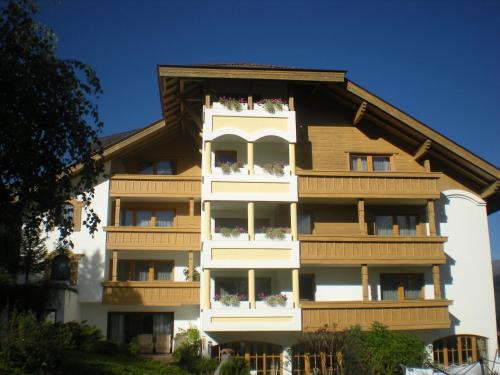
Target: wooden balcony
(396, 315)
(372, 250)
(315, 184)
(147, 293)
(152, 238)
(154, 186)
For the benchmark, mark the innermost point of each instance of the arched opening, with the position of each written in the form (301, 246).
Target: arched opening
(60, 269)
(459, 350)
(229, 155)
(263, 357)
(271, 152)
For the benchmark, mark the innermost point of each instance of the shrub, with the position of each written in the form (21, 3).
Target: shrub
(188, 351)
(81, 336)
(133, 347)
(207, 366)
(235, 366)
(196, 274)
(29, 346)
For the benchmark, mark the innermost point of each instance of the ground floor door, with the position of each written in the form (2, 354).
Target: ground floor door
(152, 331)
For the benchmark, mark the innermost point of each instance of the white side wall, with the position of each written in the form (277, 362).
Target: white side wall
(467, 279)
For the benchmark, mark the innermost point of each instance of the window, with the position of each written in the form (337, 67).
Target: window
(225, 157)
(144, 270)
(307, 287)
(370, 163)
(147, 218)
(164, 167)
(458, 350)
(68, 212)
(231, 285)
(402, 286)
(165, 218)
(395, 225)
(60, 269)
(304, 223)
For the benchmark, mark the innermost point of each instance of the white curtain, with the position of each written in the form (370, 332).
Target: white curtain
(141, 271)
(162, 324)
(407, 225)
(383, 225)
(163, 271)
(381, 164)
(116, 330)
(363, 161)
(144, 218)
(164, 218)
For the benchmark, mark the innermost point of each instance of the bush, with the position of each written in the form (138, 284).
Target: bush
(81, 336)
(207, 366)
(235, 366)
(188, 350)
(32, 347)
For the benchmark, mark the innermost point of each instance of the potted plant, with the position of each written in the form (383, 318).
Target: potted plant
(230, 299)
(233, 104)
(228, 167)
(275, 168)
(229, 232)
(272, 105)
(273, 233)
(273, 299)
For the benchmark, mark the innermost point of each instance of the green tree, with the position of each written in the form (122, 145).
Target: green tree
(49, 126)
(33, 253)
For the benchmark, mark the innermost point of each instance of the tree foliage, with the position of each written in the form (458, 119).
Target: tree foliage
(49, 125)
(33, 252)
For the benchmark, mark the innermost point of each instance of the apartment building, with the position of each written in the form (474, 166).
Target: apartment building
(271, 201)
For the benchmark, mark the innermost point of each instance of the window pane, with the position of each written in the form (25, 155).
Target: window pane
(127, 218)
(359, 163)
(381, 163)
(383, 226)
(141, 271)
(165, 168)
(306, 287)
(389, 284)
(143, 218)
(413, 286)
(163, 271)
(146, 169)
(165, 218)
(225, 157)
(231, 285)
(407, 225)
(304, 223)
(262, 287)
(123, 270)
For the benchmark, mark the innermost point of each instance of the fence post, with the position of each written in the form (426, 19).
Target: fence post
(264, 364)
(323, 362)
(307, 364)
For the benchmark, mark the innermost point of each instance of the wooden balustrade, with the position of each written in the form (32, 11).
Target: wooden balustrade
(396, 315)
(154, 186)
(368, 184)
(152, 238)
(149, 293)
(372, 250)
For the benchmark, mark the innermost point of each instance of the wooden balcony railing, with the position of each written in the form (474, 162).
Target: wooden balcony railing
(396, 315)
(374, 250)
(368, 184)
(147, 293)
(152, 238)
(154, 186)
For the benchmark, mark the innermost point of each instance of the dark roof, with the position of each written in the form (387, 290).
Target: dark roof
(245, 65)
(111, 139)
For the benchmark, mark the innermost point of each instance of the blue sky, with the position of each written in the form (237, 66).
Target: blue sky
(437, 60)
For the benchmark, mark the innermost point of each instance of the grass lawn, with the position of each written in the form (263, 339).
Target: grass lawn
(96, 364)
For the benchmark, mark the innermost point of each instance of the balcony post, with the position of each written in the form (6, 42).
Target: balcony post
(361, 217)
(295, 288)
(250, 101)
(291, 103)
(250, 163)
(437, 282)
(206, 288)
(207, 101)
(364, 281)
(291, 158)
(208, 158)
(251, 288)
(427, 165)
(190, 265)
(251, 221)
(114, 266)
(191, 207)
(293, 220)
(117, 212)
(431, 216)
(207, 222)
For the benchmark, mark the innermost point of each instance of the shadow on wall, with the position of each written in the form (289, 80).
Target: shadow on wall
(445, 270)
(90, 276)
